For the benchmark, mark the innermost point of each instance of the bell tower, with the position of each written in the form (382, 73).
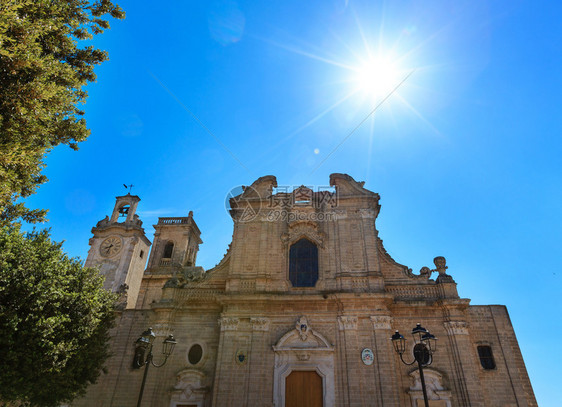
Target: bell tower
(119, 248)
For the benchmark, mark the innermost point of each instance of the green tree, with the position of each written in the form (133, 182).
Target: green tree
(55, 319)
(42, 73)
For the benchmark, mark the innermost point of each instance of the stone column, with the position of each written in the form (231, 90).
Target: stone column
(260, 371)
(465, 375)
(353, 380)
(225, 368)
(385, 362)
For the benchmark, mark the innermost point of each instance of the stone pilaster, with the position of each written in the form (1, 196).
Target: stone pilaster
(226, 370)
(384, 364)
(355, 381)
(465, 369)
(258, 391)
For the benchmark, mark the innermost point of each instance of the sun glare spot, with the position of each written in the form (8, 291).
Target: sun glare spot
(376, 77)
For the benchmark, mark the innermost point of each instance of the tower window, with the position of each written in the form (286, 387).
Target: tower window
(303, 263)
(168, 249)
(486, 357)
(124, 211)
(141, 254)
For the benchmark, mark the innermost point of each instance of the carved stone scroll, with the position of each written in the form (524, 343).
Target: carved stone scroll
(456, 327)
(229, 323)
(347, 322)
(260, 324)
(381, 321)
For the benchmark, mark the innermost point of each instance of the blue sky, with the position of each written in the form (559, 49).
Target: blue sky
(465, 153)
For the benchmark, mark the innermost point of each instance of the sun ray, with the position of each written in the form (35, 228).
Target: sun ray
(420, 116)
(306, 54)
(366, 46)
(423, 43)
(350, 49)
(307, 124)
(370, 150)
(323, 113)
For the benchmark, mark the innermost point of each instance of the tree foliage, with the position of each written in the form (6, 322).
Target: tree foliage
(42, 73)
(55, 319)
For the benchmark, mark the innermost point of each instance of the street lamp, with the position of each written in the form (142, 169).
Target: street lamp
(143, 346)
(425, 346)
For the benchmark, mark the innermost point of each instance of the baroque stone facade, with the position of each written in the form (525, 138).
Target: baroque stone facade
(307, 288)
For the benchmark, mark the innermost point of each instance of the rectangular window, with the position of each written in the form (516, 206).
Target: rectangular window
(486, 357)
(303, 264)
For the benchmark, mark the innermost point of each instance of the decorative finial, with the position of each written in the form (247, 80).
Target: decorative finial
(129, 187)
(440, 265)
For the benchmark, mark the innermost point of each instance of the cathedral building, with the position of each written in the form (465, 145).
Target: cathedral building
(300, 311)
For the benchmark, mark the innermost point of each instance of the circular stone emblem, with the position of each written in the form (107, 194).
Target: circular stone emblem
(367, 356)
(243, 203)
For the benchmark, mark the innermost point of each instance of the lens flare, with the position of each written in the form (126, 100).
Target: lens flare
(376, 77)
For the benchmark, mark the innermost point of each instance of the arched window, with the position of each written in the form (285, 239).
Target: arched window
(303, 263)
(168, 249)
(124, 210)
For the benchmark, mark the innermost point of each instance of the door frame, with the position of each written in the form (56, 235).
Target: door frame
(303, 350)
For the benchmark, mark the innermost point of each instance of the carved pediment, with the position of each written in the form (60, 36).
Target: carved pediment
(189, 377)
(303, 337)
(189, 385)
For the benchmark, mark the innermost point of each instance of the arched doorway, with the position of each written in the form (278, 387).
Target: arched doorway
(303, 368)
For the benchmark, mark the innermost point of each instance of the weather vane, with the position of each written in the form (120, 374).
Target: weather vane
(129, 187)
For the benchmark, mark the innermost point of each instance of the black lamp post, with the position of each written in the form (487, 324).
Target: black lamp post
(425, 346)
(143, 346)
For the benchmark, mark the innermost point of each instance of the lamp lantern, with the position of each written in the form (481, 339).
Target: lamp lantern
(424, 345)
(148, 336)
(168, 345)
(399, 342)
(143, 345)
(418, 333)
(430, 341)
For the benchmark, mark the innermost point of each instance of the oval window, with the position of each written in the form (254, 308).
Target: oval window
(195, 354)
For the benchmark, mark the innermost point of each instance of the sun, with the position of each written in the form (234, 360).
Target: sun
(376, 77)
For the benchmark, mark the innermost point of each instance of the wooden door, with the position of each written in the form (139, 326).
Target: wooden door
(303, 389)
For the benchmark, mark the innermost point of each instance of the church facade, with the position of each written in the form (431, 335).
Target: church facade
(299, 311)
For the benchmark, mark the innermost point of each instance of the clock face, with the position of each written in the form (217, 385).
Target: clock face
(111, 246)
